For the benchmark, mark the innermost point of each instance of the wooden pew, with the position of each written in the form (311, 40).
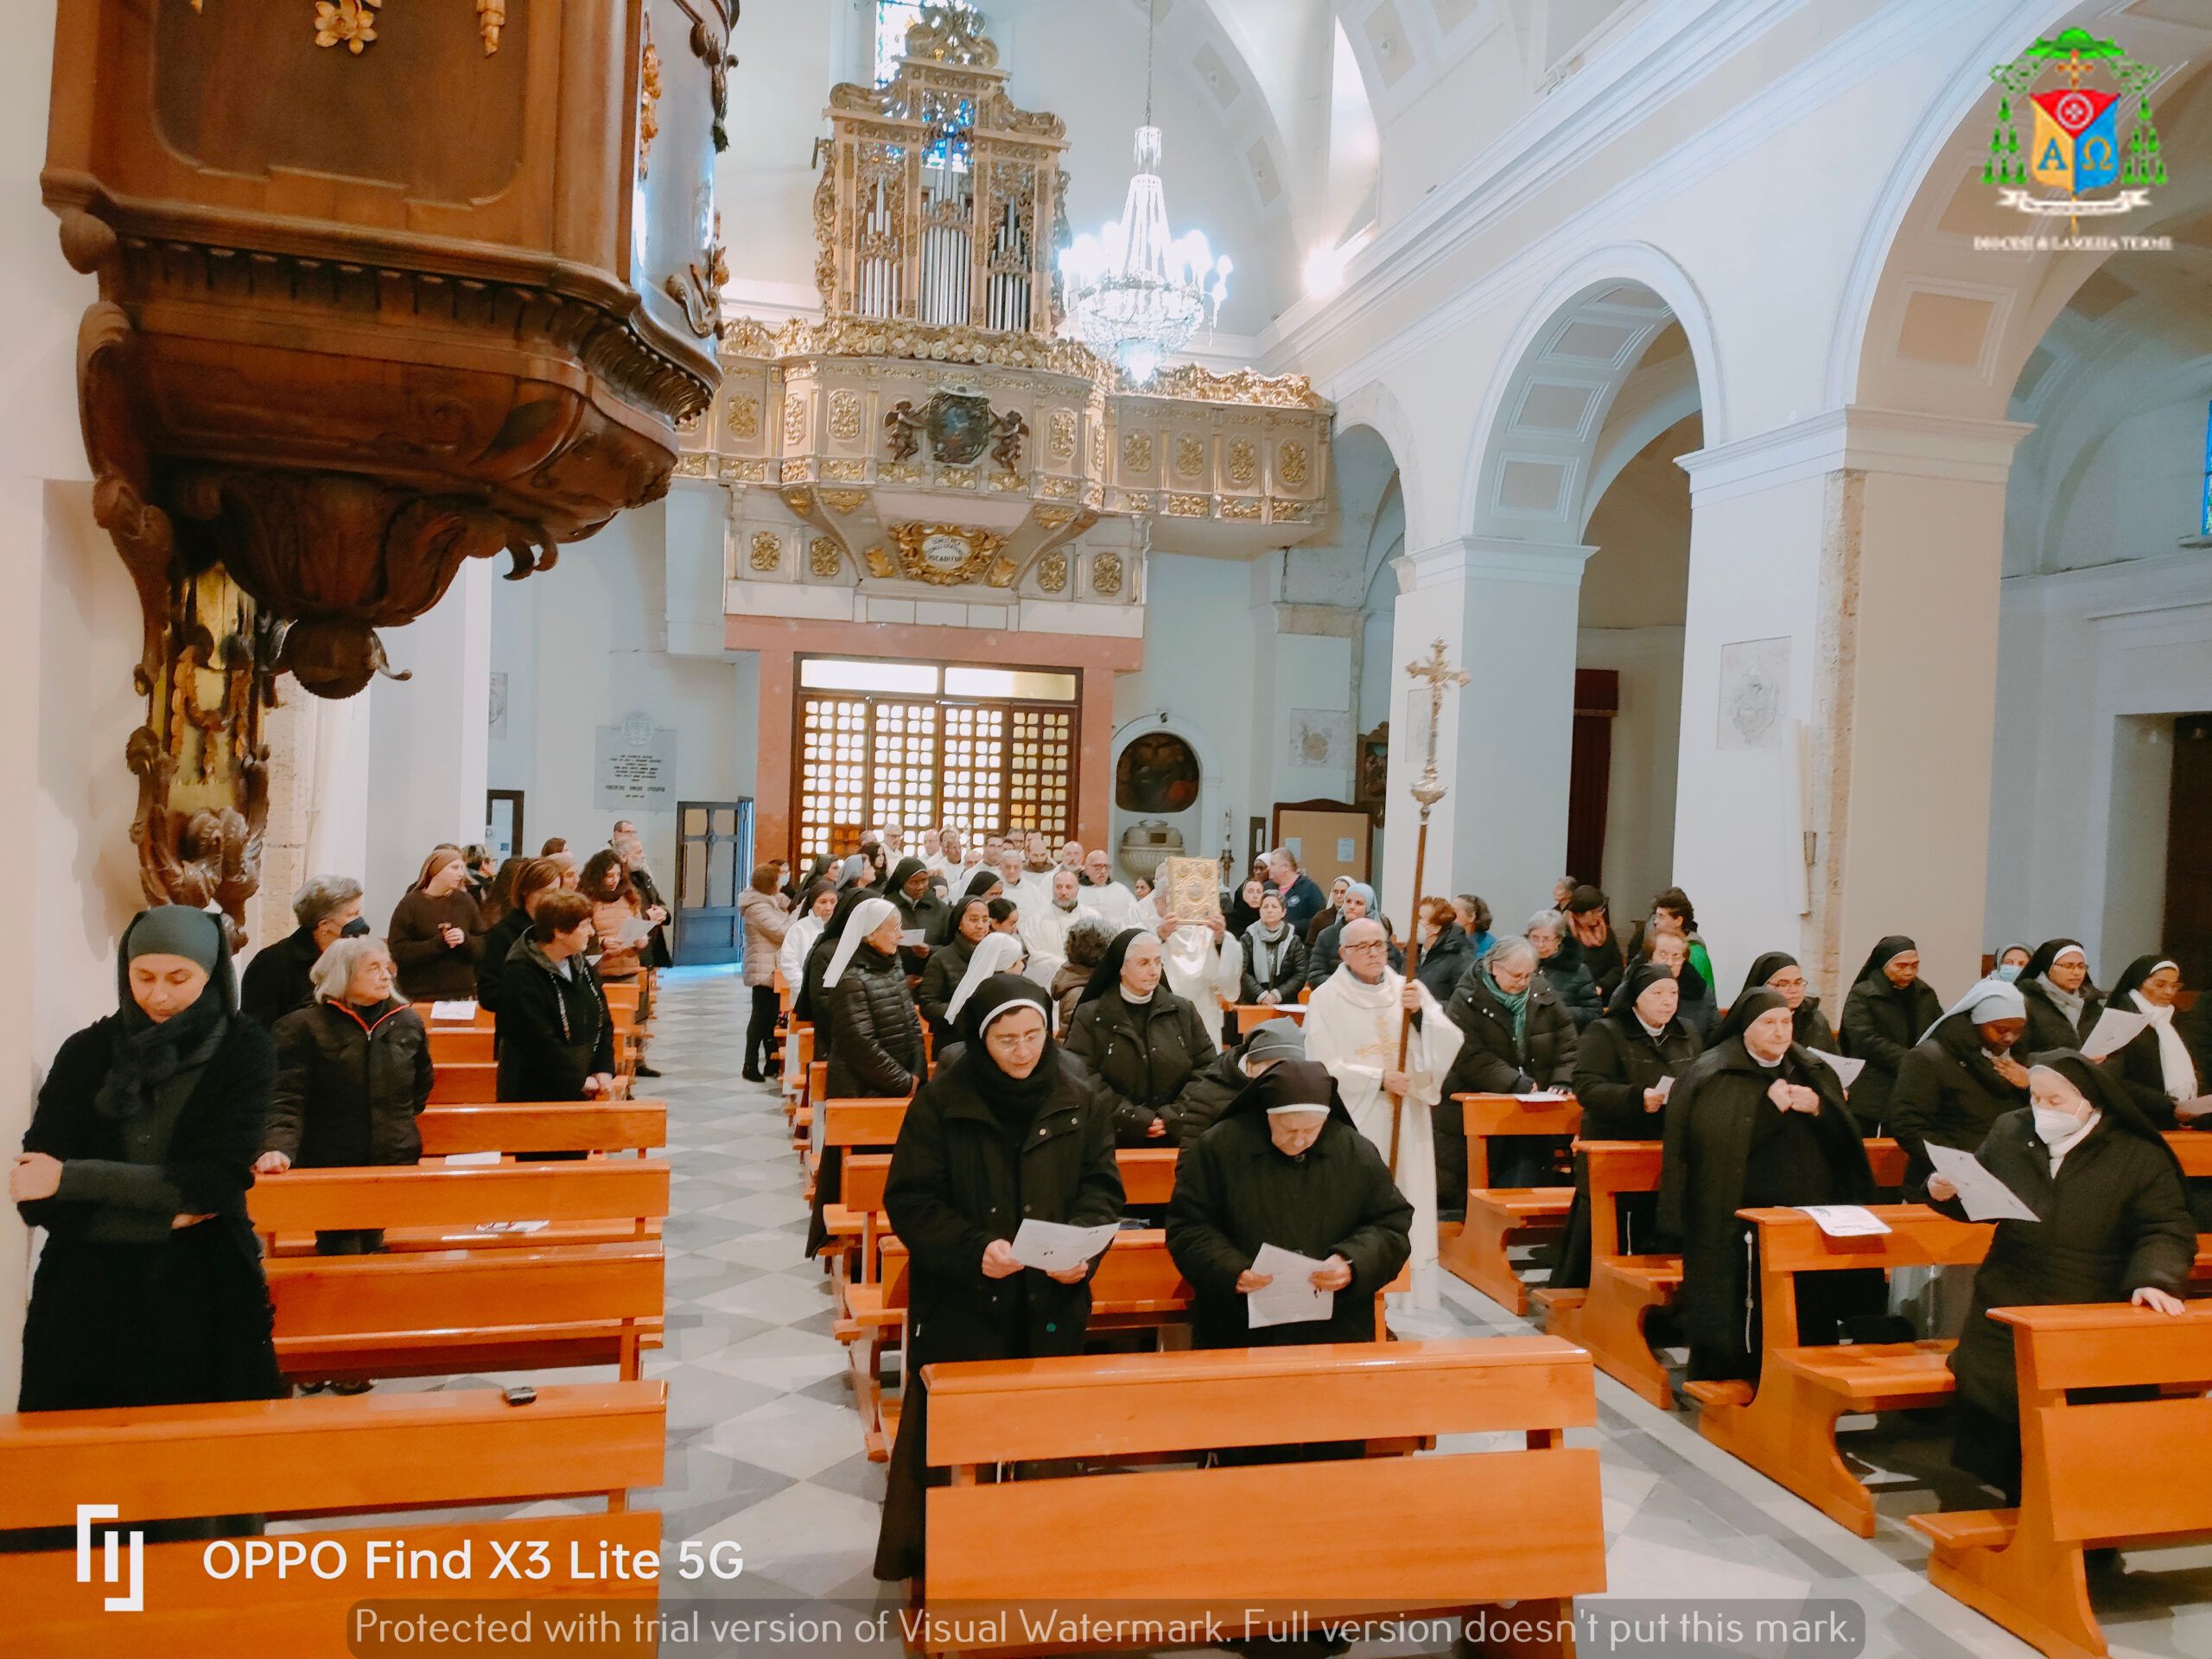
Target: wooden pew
(1499, 1217)
(548, 1126)
(460, 1045)
(465, 1084)
(482, 1020)
(1609, 1317)
(2137, 1473)
(1137, 1287)
(1371, 1535)
(1786, 1429)
(446, 1313)
(433, 1207)
(1251, 1016)
(317, 1456)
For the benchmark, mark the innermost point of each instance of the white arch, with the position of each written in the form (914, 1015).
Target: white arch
(1590, 280)
(1211, 789)
(1376, 405)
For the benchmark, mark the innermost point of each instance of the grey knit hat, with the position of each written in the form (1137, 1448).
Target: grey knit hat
(1278, 1039)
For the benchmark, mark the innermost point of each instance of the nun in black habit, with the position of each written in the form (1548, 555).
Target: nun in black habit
(1757, 1122)
(1284, 1164)
(149, 1290)
(1001, 1134)
(1779, 970)
(2113, 1226)
(1622, 1071)
(1889, 1006)
(2063, 1005)
(920, 911)
(2157, 1065)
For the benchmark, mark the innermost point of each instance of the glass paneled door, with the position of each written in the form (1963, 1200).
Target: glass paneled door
(714, 860)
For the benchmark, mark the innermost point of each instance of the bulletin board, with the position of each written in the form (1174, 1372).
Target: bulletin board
(1333, 838)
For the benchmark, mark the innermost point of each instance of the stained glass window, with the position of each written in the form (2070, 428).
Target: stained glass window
(893, 19)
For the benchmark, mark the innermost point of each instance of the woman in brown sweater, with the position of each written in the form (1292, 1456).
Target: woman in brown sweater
(436, 931)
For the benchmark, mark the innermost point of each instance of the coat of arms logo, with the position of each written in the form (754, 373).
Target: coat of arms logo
(2076, 93)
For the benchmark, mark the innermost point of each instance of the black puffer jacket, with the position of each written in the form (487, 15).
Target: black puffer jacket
(350, 1084)
(1616, 1062)
(1881, 1023)
(941, 977)
(499, 944)
(1571, 983)
(1446, 962)
(1491, 1063)
(1146, 1055)
(1289, 967)
(1950, 1093)
(553, 1032)
(1235, 1192)
(276, 981)
(876, 1044)
(1205, 1097)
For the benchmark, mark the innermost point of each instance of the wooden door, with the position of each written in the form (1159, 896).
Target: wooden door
(714, 860)
(2187, 931)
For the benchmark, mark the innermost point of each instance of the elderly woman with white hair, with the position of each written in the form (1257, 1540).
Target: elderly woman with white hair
(277, 980)
(1520, 1038)
(1562, 970)
(354, 1073)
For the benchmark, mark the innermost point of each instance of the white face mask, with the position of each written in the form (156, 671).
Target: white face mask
(2053, 1125)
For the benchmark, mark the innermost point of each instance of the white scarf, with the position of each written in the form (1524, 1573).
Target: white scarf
(992, 957)
(867, 915)
(2178, 1071)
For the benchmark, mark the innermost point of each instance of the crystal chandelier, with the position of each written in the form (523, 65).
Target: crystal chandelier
(1134, 292)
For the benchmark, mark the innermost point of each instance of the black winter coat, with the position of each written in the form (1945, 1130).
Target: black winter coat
(1289, 974)
(959, 1180)
(941, 977)
(1615, 1063)
(1809, 1028)
(1710, 1119)
(2143, 1072)
(348, 1090)
(656, 953)
(876, 1044)
(553, 1033)
(1448, 962)
(1571, 983)
(1235, 1192)
(1881, 1023)
(2114, 1219)
(184, 1315)
(499, 944)
(1145, 1055)
(1950, 1093)
(1605, 962)
(275, 982)
(1490, 1063)
(2049, 1027)
(1206, 1096)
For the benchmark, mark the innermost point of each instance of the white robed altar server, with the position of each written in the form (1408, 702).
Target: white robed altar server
(1351, 1028)
(1045, 926)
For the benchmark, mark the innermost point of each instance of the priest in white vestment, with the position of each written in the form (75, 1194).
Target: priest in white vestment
(1044, 927)
(1114, 905)
(1351, 1028)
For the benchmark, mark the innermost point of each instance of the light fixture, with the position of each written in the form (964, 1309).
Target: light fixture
(1136, 293)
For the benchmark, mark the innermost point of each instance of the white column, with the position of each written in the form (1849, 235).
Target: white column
(1506, 611)
(428, 756)
(1840, 662)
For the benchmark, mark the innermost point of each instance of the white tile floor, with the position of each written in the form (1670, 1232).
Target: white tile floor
(764, 1447)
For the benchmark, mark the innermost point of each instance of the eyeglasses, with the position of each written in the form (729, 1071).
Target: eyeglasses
(1369, 945)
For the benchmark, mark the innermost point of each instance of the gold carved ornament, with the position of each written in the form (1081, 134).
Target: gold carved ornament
(844, 416)
(1052, 518)
(648, 99)
(1186, 506)
(699, 290)
(822, 556)
(879, 562)
(1106, 574)
(1189, 454)
(1244, 463)
(1290, 463)
(983, 547)
(794, 418)
(352, 23)
(1136, 452)
(767, 549)
(1063, 434)
(745, 418)
(1053, 572)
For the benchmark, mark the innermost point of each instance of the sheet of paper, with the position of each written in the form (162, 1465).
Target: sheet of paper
(912, 936)
(1843, 1220)
(1054, 1247)
(1986, 1199)
(1347, 849)
(2187, 1110)
(1289, 1298)
(459, 1160)
(2114, 1031)
(1665, 1086)
(633, 933)
(461, 1013)
(1846, 1068)
(1539, 1096)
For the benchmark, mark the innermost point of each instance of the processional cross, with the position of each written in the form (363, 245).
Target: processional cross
(1438, 674)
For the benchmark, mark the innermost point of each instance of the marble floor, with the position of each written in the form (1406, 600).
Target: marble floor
(764, 1447)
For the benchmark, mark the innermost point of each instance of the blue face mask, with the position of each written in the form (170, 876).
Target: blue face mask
(2007, 971)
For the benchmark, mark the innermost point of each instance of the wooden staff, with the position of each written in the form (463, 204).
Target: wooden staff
(1438, 673)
